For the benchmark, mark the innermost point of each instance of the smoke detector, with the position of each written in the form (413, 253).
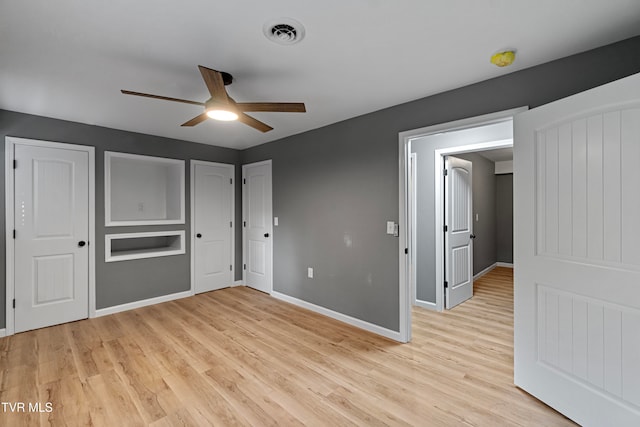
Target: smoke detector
(503, 59)
(284, 31)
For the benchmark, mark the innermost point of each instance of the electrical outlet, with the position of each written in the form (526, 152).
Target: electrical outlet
(310, 273)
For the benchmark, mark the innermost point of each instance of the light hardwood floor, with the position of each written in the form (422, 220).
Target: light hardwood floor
(238, 357)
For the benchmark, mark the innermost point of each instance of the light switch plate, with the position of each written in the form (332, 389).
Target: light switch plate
(275, 221)
(310, 273)
(390, 227)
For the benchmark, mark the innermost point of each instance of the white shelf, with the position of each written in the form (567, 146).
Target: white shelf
(127, 246)
(143, 190)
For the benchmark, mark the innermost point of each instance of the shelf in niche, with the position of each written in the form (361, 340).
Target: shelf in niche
(143, 190)
(128, 246)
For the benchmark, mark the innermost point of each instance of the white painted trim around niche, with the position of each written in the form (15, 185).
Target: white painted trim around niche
(108, 156)
(237, 283)
(142, 303)
(379, 330)
(3, 332)
(149, 253)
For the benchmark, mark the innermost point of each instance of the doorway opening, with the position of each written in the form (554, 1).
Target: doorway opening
(422, 272)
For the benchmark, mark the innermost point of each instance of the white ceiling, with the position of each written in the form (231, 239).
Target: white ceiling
(69, 59)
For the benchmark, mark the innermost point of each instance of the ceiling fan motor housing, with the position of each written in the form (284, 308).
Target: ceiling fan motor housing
(227, 78)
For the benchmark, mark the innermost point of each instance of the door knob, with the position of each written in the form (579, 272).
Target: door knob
(473, 236)
(266, 234)
(81, 243)
(198, 235)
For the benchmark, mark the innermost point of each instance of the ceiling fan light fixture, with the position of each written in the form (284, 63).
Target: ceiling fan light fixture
(222, 115)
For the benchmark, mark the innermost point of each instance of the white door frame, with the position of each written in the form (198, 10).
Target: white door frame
(10, 143)
(192, 204)
(244, 230)
(405, 139)
(412, 230)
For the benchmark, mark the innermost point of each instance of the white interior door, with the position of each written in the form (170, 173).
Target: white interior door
(212, 225)
(51, 222)
(257, 217)
(577, 258)
(459, 232)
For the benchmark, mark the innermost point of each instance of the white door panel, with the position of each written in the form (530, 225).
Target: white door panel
(51, 201)
(212, 225)
(257, 226)
(458, 238)
(577, 259)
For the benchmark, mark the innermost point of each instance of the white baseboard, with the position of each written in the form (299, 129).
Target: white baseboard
(504, 264)
(237, 283)
(388, 333)
(485, 271)
(3, 332)
(141, 303)
(425, 304)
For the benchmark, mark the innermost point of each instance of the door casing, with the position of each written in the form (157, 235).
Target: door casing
(10, 143)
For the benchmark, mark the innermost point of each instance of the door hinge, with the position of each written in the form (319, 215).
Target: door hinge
(244, 267)
(231, 268)
(444, 172)
(406, 250)
(15, 164)
(14, 303)
(244, 223)
(244, 180)
(445, 228)
(14, 233)
(230, 180)
(231, 224)
(446, 284)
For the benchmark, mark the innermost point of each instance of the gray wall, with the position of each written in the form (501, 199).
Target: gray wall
(339, 184)
(126, 281)
(484, 205)
(504, 218)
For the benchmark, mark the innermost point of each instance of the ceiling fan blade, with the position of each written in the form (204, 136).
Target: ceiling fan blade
(196, 120)
(215, 84)
(278, 107)
(165, 98)
(254, 123)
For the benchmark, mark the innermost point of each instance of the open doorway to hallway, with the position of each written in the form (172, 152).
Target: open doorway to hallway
(422, 210)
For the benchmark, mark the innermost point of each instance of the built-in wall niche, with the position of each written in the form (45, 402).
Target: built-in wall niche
(127, 246)
(143, 190)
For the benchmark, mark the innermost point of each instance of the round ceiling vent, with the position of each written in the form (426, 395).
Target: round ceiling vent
(284, 31)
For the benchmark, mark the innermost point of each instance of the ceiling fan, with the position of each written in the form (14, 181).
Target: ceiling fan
(222, 107)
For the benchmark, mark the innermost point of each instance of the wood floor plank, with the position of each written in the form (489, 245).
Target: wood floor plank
(239, 357)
